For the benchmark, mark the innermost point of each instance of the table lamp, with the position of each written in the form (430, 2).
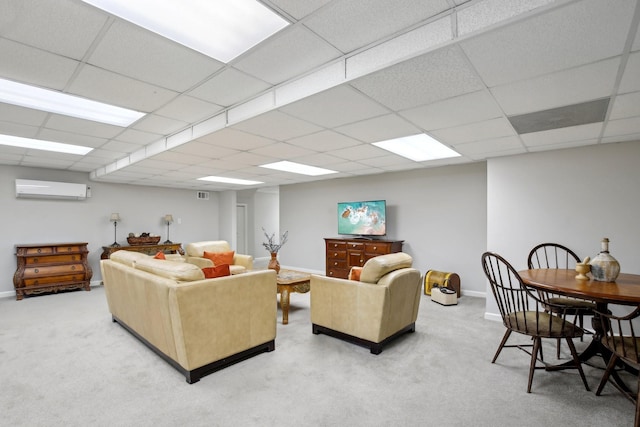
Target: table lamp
(115, 217)
(168, 218)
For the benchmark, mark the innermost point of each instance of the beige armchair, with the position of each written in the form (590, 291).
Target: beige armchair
(373, 311)
(195, 255)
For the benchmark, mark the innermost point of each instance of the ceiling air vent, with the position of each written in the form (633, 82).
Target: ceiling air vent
(202, 195)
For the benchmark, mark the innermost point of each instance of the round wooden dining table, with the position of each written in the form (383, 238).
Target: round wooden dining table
(625, 291)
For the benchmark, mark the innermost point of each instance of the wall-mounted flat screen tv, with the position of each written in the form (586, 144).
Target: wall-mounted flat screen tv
(367, 218)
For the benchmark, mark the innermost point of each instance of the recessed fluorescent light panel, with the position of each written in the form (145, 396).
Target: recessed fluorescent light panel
(38, 144)
(418, 148)
(220, 29)
(297, 168)
(68, 105)
(226, 180)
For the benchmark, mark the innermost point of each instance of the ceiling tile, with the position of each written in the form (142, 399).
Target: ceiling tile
(299, 9)
(278, 126)
(324, 141)
(629, 126)
(282, 150)
(565, 37)
(479, 131)
(459, 110)
(502, 146)
(360, 152)
(236, 140)
(229, 87)
(288, 54)
(143, 55)
(106, 86)
(566, 87)
(627, 105)
(18, 129)
(70, 138)
(562, 135)
(189, 109)
(180, 158)
(335, 107)
(23, 64)
(22, 115)
(66, 28)
(428, 78)
(155, 123)
(630, 81)
(84, 127)
(138, 137)
(379, 128)
(351, 24)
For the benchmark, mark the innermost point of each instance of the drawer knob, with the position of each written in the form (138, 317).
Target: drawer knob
(335, 254)
(36, 270)
(335, 263)
(35, 260)
(331, 273)
(375, 248)
(73, 267)
(39, 250)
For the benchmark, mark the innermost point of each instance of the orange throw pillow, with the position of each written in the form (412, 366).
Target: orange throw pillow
(217, 271)
(354, 273)
(220, 258)
(160, 255)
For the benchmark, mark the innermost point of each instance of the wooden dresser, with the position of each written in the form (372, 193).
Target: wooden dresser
(50, 267)
(342, 254)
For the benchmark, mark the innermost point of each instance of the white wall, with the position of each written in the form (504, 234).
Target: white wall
(440, 213)
(141, 209)
(574, 197)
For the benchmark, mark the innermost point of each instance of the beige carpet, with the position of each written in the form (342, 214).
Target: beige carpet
(64, 363)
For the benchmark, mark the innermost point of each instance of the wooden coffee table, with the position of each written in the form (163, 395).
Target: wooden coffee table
(290, 281)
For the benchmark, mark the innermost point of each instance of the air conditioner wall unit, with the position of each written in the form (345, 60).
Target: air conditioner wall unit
(50, 190)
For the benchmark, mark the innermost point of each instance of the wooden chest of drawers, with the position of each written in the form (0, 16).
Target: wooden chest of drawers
(342, 254)
(51, 267)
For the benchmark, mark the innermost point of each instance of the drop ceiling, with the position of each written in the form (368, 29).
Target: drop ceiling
(344, 74)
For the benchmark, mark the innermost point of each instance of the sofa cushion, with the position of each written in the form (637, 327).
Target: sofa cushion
(179, 271)
(160, 255)
(377, 267)
(127, 257)
(216, 271)
(220, 258)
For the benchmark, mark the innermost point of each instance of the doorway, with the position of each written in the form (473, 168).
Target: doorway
(241, 228)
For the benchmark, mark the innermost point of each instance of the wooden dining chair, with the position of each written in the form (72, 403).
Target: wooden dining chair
(525, 313)
(620, 338)
(554, 255)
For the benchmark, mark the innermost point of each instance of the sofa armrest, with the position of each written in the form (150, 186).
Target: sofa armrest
(244, 260)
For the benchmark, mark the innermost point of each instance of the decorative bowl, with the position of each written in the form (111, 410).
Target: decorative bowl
(149, 240)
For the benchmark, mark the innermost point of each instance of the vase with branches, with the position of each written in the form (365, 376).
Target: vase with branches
(273, 247)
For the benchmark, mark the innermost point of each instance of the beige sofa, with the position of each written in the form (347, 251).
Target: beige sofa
(195, 252)
(373, 311)
(197, 325)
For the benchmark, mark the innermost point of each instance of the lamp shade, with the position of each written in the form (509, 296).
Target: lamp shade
(168, 218)
(115, 217)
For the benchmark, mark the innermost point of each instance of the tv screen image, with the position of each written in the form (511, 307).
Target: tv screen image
(363, 218)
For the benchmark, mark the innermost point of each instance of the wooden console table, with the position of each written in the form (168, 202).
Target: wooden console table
(51, 267)
(169, 248)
